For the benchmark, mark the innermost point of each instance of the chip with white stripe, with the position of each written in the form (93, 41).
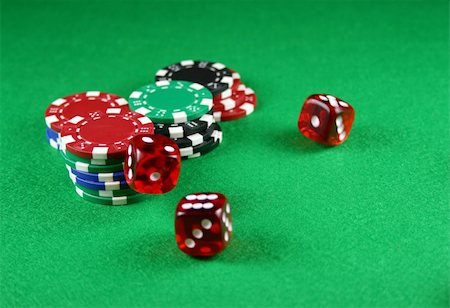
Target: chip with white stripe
(195, 139)
(182, 130)
(103, 134)
(236, 100)
(122, 200)
(97, 176)
(171, 101)
(205, 147)
(213, 75)
(240, 111)
(81, 104)
(116, 185)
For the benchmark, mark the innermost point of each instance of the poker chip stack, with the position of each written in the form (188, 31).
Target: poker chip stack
(182, 111)
(85, 128)
(92, 129)
(232, 100)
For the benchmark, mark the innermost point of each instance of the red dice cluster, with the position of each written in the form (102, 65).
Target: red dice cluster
(203, 225)
(175, 117)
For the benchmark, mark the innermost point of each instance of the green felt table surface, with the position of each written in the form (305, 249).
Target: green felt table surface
(362, 224)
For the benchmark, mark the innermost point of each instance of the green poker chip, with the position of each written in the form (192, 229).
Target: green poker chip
(171, 102)
(98, 162)
(107, 193)
(122, 200)
(81, 166)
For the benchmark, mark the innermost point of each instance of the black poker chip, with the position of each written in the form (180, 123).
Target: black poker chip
(208, 149)
(213, 75)
(195, 139)
(181, 130)
(205, 147)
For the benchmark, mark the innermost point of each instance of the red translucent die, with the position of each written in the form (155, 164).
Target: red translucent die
(152, 164)
(326, 119)
(203, 224)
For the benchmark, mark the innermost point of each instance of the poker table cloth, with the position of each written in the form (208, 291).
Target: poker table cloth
(362, 224)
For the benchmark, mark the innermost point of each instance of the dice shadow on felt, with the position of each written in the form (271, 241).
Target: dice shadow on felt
(253, 250)
(360, 138)
(293, 141)
(162, 249)
(366, 138)
(157, 249)
(243, 251)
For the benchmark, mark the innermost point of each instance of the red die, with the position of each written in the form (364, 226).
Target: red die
(326, 119)
(152, 164)
(203, 224)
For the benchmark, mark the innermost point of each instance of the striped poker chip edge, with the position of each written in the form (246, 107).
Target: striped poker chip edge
(122, 200)
(228, 92)
(241, 111)
(175, 131)
(90, 168)
(235, 101)
(91, 161)
(53, 143)
(116, 185)
(107, 193)
(52, 133)
(195, 139)
(97, 177)
(216, 136)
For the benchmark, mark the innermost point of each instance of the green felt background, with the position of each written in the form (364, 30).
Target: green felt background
(362, 224)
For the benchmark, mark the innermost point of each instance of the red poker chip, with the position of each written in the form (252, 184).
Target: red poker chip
(241, 111)
(103, 135)
(80, 104)
(229, 92)
(236, 100)
(236, 80)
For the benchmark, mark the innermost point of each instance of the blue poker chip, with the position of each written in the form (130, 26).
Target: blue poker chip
(115, 185)
(98, 177)
(53, 143)
(52, 134)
